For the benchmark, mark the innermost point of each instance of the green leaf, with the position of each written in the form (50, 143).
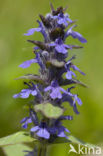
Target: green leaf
(17, 138)
(77, 141)
(49, 110)
(16, 150)
(74, 140)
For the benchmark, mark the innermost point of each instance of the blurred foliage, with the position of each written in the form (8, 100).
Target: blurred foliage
(16, 18)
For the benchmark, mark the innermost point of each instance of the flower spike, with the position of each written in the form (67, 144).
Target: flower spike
(56, 71)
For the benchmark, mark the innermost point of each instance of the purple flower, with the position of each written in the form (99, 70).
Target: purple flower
(70, 73)
(31, 119)
(26, 92)
(58, 129)
(25, 121)
(32, 30)
(77, 69)
(26, 64)
(43, 31)
(55, 90)
(41, 131)
(39, 29)
(70, 100)
(33, 116)
(60, 47)
(38, 60)
(76, 98)
(63, 19)
(61, 131)
(75, 34)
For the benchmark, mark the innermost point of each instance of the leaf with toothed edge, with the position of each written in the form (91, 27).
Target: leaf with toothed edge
(49, 110)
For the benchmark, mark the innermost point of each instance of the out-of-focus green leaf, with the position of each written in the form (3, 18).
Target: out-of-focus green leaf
(17, 138)
(74, 140)
(16, 150)
(59, 141)
(49, 110)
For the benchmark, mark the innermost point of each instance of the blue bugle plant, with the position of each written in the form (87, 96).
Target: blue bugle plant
(56, 72)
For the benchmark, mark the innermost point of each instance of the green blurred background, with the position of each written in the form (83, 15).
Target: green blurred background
(16, 17)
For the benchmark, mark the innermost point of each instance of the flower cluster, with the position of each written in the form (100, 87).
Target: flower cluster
(55, 71)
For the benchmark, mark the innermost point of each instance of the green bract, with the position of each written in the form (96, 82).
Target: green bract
(49, 110)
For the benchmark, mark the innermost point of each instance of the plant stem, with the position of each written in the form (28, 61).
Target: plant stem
(42, 149)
